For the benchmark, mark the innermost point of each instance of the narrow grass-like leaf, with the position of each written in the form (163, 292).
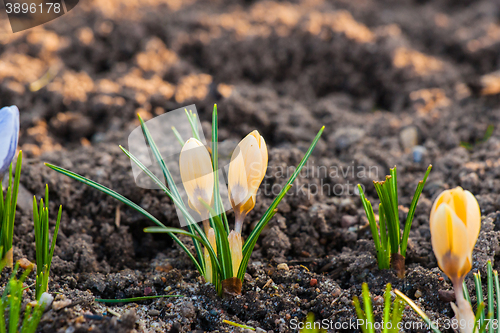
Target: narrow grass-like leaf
(192, 121)
(392, 226)
(383, 255)
(479, 295)
(466, 292)
(359, 312)
(219, 209)
(238, 325)
(491, 295)
(477, 317)
(397, 314)
(411, 212)
(178, 136)
(497, 292)
(367, 302)
(387, 307)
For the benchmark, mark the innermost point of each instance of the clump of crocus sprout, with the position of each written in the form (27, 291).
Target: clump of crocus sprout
(11, 305)
(390, 318)
(44, 249)
(9, 129)
(390, 244)
(221, 257)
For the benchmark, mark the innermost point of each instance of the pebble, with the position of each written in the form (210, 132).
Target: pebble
(46, 299)
(418, 153)
(336, 292)
(313, 282)
(446, 295)
(378, 300)
(24, 263)
(283, 267)
(409, 137)
(187, 310)
(343, 138)
(153, 313)
(348, 220)
(58, 305)
(418, 294)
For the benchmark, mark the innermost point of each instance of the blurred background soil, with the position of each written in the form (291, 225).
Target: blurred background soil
(404, 83)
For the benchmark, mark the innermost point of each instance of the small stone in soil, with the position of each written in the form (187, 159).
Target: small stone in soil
(418, 294)
(378, 300)
(348, 220)
(187, 310)
(313, 282)
(153, 313)
(283, 267)
(24, 263)
(446, 295)
(409, 137)
(58, 305)
(336, 292)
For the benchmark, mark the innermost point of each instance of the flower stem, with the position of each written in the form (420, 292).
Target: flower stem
(238, 220)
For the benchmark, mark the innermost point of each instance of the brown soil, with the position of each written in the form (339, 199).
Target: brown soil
(382, 76)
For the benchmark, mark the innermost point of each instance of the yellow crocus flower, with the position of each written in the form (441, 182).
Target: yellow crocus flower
(197, 176)
(246, 171)
(455, 222)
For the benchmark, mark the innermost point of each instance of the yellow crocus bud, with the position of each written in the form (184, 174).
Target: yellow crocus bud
(208, 261)
(246, 171)
(235, 246)
(455, 222)
(197, 176)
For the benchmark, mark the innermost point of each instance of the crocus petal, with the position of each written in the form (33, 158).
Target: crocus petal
(237, 179)
(443, 197)
(197, 177)
(246, 171)
(262, 147)
(9, 129)
(473, 223)
(206, 255)
(448, 236)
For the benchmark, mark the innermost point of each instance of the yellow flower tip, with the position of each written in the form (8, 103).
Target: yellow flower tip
(211, 239)
(206, 255)
(235, 246)
(246, 171)
(195, 166)
(455, 222)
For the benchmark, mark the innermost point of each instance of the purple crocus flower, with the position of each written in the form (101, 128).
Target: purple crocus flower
(9, 135)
